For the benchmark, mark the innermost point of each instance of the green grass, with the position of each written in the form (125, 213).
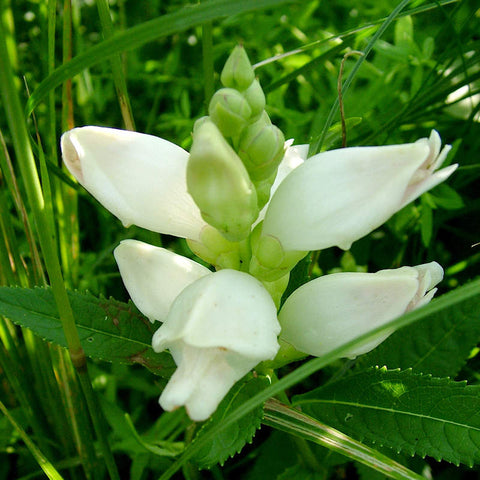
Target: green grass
(149, 66)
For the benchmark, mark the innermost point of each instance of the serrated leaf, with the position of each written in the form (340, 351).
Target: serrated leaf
(232, 439)
(438, 344)
(413, 413)
(109, 330)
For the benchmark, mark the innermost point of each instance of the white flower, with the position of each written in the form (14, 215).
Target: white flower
(154, 276)
(139, 178)
(218, 326)
(331, 310)
(339, 196)
(217, 330)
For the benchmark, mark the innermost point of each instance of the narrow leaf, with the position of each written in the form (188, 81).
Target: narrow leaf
(178, 21)
(297, 423)
(109, 330)
(413, 413)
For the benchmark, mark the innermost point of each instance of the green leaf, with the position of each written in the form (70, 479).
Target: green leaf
(446, 197)
(292, 421)
(409, 412)
(426, 223)
(273, 456)
(232, 439)
(438, 344)
(299, 472)
(109, 330)
(333, 137)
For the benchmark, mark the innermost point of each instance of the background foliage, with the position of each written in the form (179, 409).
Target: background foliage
(422, 73)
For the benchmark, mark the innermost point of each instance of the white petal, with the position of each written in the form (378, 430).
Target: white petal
(203, 378)
(226, 309)
(294, 156)
(140, 178)
(339, 196)
(154, 277)
(332, 310)
(429, 275)
(431, 181)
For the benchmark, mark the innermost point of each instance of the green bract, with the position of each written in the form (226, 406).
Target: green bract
(237, 72)
(229, 111)
(219, 183)
(261, 147)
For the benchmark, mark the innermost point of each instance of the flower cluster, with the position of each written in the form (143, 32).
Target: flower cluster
(252, 205)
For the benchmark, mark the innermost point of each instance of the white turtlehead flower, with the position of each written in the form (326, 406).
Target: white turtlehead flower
(218, 326)
(217, 330)
(154, 276)
(332, 310)
(140, 178)
(339, 196)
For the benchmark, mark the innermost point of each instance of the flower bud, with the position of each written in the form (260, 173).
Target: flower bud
(229, 111)
(255, 97)
(237, 72)
(219, 183)
(215, 249)
(261, 148)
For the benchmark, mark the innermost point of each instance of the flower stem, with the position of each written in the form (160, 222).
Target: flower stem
(26, 162)
(208, 72)
(117, 68)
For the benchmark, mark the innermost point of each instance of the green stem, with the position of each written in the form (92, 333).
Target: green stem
(51, 21)
(208, 71)
(25, 159)
(117, 69)
(67, 102)
(96, 415)
(29, 174)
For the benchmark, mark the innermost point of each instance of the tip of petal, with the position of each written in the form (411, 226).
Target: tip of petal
(434, 271)
(435, 142)
(71, 152)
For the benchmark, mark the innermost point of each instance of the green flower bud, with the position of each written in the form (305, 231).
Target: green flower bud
(255, 97)
(237, 72)
(230, 111)
(270, 261)
(215, 249)
(219, 183)
(261, 147)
